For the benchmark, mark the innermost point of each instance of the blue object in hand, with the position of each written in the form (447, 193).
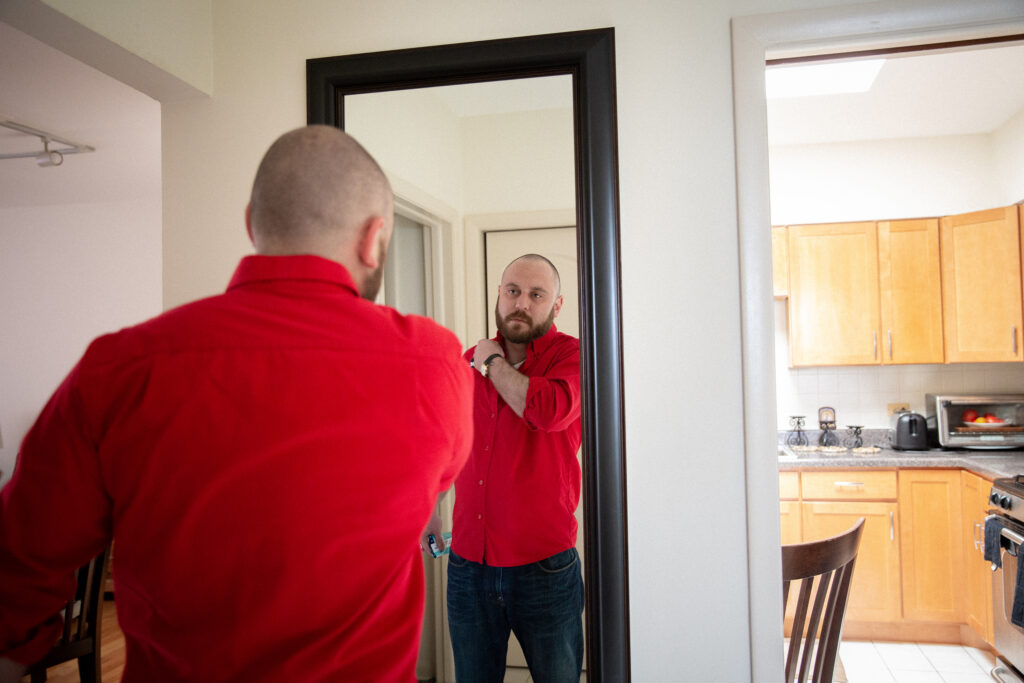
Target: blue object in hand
(447, 536)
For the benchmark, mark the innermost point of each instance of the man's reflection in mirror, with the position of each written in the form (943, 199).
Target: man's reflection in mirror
(513, 565)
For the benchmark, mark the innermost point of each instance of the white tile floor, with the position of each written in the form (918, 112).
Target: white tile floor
(868, 662)
(878, 662)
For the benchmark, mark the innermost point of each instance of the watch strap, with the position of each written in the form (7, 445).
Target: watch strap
(490, 359)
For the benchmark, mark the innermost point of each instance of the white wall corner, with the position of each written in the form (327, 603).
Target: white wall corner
(143, 48)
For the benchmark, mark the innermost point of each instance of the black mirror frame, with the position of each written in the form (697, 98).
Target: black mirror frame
(589, 57)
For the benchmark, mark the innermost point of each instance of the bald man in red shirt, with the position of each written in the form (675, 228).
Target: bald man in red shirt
(265, 459)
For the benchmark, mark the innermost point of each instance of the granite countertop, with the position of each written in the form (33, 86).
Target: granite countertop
(989, 464)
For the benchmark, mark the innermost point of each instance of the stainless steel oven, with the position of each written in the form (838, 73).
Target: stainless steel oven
(1004, 538)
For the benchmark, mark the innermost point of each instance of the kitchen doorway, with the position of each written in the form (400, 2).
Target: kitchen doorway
(756, 38)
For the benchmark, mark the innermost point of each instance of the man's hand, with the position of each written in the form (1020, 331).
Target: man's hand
(10, 671)
(485, 348)
(433, 527)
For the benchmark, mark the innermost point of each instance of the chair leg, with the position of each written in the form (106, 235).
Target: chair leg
(89, 668)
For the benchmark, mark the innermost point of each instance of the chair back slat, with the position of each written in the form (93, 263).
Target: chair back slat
(827, 566)
(80, 637)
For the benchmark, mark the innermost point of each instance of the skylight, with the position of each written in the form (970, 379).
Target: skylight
(832, 78)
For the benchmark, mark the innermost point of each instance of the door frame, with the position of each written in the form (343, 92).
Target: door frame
(791, 34)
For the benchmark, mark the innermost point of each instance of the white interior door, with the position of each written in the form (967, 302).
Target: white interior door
(558, 245)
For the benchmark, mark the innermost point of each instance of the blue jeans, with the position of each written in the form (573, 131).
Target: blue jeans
(542, 603)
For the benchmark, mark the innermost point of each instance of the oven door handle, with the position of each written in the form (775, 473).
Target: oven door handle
(1013, 537)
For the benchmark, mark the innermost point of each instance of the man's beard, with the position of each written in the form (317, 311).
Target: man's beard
(532, 332)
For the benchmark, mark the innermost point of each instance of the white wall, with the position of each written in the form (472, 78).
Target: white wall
(889, 179)
(883, 179)
(415, 137)
(68, 273)
(1008, 156)
(519, 162)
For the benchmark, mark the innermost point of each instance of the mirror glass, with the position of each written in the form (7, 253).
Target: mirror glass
(482, 173)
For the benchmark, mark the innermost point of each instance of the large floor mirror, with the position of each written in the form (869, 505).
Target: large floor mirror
(580, 64)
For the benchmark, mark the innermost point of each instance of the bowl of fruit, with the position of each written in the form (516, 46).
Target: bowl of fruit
(971, 418)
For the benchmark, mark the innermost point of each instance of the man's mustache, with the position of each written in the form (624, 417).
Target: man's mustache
(517, 316)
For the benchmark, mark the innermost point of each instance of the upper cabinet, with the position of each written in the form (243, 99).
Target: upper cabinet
(833, 294)
(910, 291)
(981, 284)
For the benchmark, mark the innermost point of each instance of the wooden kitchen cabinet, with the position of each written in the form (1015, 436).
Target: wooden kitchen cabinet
(981, 286)
(780, 263)
(910, 291)
(789, 507)
(931, 545)
(832, 502)
(833, 294)
(875, 588)
(978, 582)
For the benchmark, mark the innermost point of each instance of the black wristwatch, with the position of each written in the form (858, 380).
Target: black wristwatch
(490, 359)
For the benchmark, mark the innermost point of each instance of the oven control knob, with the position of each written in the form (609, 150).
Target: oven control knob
(993, 498)
(1004, 502)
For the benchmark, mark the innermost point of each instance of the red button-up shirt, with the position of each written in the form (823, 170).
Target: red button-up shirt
(265, 461)
(515, 500)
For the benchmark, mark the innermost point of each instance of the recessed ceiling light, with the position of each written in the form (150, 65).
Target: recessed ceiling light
(832, 78)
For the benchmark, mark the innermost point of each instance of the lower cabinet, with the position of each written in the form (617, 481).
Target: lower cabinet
(918, 566)
(875, 589)
(932, 545)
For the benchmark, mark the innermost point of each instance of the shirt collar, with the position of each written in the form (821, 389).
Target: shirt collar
(537, 346)
(258, 268)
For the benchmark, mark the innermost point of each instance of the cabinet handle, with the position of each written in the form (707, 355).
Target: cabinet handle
(890, 344)
(848, 483)
(976, 542)
(892, 526)
(1015, 340)
(874, 341)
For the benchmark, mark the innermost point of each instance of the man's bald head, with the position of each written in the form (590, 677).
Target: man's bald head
(537, 258)
(315, 188)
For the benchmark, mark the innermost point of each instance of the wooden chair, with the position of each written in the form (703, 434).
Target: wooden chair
(80, 638)
(823, 569)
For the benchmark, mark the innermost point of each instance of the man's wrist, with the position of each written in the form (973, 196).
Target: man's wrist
(487, 363)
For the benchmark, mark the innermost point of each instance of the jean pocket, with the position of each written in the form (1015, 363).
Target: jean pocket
(559, 562)
(456, 560)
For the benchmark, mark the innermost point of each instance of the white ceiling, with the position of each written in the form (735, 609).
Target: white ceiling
(48, 90)
(915, 95)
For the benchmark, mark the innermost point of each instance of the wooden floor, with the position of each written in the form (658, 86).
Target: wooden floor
(111, 653)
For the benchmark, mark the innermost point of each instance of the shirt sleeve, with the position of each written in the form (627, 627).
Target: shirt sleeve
(553, 399)
(54, 517)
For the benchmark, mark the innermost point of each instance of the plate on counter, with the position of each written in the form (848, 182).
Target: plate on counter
(989, 425)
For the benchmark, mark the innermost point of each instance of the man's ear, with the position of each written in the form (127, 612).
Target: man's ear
(248, 222)
(558, 305)
(369, 239)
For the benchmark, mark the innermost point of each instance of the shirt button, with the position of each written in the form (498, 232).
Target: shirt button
(479, 516)
(481, 482)
(487, 448)
(492, 416)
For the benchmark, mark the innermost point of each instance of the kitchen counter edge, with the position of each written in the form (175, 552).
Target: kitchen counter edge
(986, 464)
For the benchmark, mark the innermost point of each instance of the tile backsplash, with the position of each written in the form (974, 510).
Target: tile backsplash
(859, 394)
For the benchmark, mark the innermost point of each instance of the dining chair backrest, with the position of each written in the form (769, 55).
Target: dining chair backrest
(822, 570)
(82, 614)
